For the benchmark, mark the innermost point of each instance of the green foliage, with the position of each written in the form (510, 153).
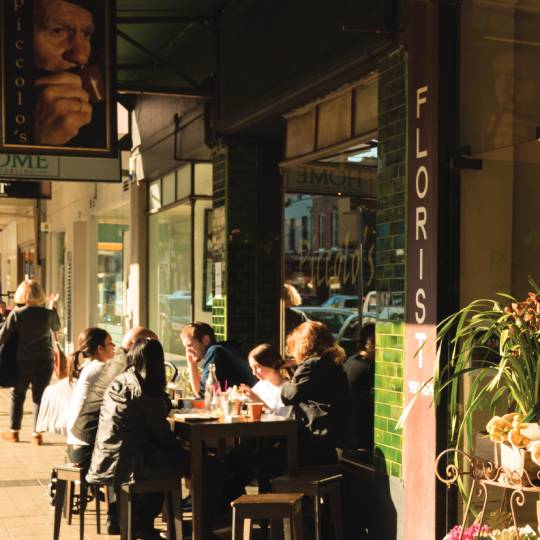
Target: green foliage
(500, 348)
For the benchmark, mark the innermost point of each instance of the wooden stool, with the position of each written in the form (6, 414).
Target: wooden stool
(170, 487)
(67, 476)
(316, 482)
(272, 506)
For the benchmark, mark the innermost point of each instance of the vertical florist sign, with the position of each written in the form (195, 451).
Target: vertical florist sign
(421, 315)
(57, 59)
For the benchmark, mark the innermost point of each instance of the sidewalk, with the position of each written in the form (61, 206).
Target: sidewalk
(25, 510)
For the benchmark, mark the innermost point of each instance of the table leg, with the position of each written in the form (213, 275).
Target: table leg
(292, 449)
(196, 487)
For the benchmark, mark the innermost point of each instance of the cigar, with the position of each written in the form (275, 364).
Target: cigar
(92, 83)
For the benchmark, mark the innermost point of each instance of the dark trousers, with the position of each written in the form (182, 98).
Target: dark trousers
(39, 381)
(146, 508)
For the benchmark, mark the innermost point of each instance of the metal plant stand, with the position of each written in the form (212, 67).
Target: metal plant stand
(453, 464)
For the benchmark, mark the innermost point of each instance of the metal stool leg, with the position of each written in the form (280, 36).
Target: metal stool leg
(83, 490)
(58, 505)
(318, 520)
(97, 496)
(337, 513)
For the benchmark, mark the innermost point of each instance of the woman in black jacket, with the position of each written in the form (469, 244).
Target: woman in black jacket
(32, 324)
(134, 439)
(318, 393)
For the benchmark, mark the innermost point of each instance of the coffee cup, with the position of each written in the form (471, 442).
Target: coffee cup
(255, 409)
(236, 406)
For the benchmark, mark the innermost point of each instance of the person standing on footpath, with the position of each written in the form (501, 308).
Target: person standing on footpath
(200, 342)
(33, 324)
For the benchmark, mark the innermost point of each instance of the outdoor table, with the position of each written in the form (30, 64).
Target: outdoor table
(199, 433)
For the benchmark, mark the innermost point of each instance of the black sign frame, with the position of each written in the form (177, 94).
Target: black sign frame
(20, 97)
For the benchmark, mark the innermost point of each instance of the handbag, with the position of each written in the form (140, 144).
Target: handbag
(8, 358)
(60, 366)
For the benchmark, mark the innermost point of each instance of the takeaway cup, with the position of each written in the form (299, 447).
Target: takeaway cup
(255, 409)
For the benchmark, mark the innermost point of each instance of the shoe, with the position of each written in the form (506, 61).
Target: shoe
(37, 439)
(112, 527)
(10, 436)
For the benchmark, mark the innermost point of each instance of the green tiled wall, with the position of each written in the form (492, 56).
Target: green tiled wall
(391, 211)
(219, 318)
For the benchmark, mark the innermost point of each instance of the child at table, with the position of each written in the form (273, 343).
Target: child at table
(266, 363)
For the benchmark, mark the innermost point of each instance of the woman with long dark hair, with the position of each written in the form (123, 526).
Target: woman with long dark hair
(31, 324)
(134, 439)
(95, 347)
(318, 393)
(266, 364)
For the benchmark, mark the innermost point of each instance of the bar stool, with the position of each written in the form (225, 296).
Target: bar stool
(316, 482)
(170, 487)
(271, 506)
(67, 477)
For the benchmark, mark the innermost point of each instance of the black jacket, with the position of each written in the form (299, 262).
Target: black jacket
(33, 325)
(86, 424)
(319, 395)
(134, 439)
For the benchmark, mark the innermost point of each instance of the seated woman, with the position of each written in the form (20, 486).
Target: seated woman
(56, 400)
(134, 439)
(266, 460)
(95, 348)
(266, 363)
(318, 393)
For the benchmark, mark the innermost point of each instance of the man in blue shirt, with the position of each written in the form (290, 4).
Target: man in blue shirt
(200, 342)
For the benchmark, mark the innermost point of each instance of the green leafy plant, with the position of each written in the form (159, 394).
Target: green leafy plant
(499, 346)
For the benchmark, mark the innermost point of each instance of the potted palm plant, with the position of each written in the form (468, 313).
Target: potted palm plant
(497, 343)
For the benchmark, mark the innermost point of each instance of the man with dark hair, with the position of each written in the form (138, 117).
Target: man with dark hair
(200, 342)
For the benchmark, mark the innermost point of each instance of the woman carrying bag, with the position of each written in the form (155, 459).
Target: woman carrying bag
(32, 323)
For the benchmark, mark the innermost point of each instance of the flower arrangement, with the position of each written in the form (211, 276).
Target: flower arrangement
(475, 531)
(500, 347)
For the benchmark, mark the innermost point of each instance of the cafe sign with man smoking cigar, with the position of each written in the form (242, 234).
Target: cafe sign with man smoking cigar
(57, 77)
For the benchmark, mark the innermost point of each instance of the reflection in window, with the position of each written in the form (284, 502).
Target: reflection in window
(110, 277)
(328, 275)
(170, 276)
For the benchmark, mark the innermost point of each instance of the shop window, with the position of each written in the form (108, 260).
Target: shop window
(333, 282)
(203, 179)
(154, 196)
(183, 182)
(208, 266)
(170, 275)
(180, 254)
(168, 195)
(321, 231)
(305, 232)
(291, 234)
(112, 229)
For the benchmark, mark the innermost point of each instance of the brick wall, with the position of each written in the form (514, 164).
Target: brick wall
(390, 262)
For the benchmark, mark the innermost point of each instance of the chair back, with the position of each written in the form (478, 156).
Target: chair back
(171, 372)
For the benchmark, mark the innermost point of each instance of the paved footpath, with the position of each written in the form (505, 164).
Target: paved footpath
(25, 510)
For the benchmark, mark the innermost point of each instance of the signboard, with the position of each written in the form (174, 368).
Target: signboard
(25, 190)
(421, 315)
(57, 77)
(24, 166)
(359, 181)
